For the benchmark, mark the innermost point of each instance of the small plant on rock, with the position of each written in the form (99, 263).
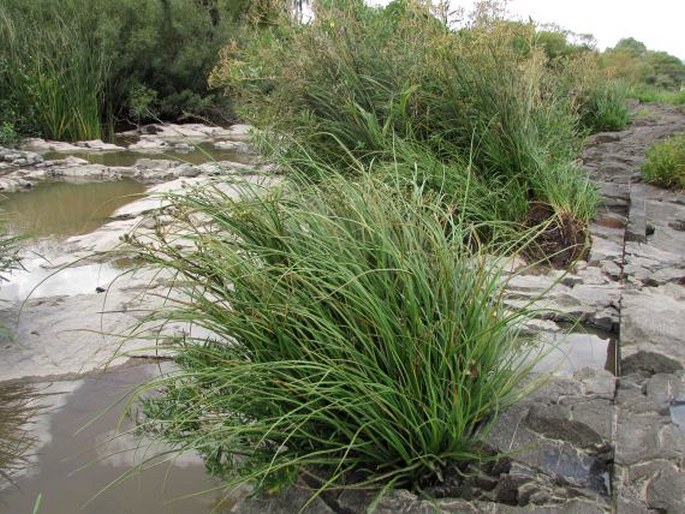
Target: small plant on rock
(665, 164)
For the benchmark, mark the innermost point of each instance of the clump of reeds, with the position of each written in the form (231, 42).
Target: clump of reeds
(357, 334)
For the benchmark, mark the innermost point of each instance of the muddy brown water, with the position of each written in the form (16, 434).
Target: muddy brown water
(76, 473)
(199, 154)
(61, 209)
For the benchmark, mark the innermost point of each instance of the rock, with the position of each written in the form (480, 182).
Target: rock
(604, 137)
(666, 491)
(228, 145)
(653, 323)
(641, 438)
(604, 250)
(157, 164)
(98, 144)
(147, 144)
(649, 363)
(597, 382)
(289, 501)
(183, 147)
(554, 422)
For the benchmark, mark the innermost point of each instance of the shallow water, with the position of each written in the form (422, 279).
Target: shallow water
(74, 467)
(61, 209)
(564, 353)
(199, 154)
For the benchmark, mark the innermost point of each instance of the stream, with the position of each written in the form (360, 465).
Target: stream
(79, 463)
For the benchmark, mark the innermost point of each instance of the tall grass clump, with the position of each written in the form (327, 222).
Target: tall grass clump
(357, 335)
(52, 70)
(665, 164)
(346, 87)
(598, 99)
(605, 109)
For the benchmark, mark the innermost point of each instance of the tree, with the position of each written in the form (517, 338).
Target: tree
(631, 46)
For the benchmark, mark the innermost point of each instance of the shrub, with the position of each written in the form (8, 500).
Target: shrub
(8, 135)
(346, 87)
(162, 52)
(356, 333)
(665, 164)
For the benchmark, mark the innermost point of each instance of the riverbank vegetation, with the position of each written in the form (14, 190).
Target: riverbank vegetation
(78, 69)
(351, 310)
(358, 334)
(484, 109)
(650, 75)
(352, 323)
(665, 164)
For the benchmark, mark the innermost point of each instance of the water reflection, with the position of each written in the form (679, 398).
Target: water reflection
(17, 411)
(564, 353)
(70, 470)
(40, 282)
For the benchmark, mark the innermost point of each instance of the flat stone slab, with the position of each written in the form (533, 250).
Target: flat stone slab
(653, 322)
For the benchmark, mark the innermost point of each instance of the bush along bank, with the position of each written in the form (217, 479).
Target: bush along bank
(665, 164)
(356, 337)
(484, 106)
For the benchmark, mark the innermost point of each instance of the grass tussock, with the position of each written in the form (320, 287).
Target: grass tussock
(52, 72)
(358, 335)
(665, 164)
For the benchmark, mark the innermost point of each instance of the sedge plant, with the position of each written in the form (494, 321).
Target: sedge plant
(353, 333)
(665, 164)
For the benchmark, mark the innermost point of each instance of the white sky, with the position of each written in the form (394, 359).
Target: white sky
(659, 24)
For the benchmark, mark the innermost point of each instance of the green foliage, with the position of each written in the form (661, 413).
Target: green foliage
(645, 93)
(161, 54)
(665, 164)
(350, 84)
(356, 327)
(631, 46)
(632, 62)
(52, 69)
(8, 134)
(68, 67)
(605, 109)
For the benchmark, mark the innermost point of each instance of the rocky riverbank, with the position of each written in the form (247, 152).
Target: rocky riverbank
(76, 332)
(606, 433)
(608, 437)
